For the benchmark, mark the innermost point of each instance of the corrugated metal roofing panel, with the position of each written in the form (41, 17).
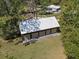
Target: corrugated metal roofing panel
(33, 25)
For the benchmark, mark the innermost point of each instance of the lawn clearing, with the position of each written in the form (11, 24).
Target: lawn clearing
(49, 47)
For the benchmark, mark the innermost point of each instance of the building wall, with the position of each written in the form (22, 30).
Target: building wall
(35, 35)
(42, 33)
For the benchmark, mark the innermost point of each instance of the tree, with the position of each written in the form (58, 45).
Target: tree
(70, 28)
(10, 7)
(9, 16)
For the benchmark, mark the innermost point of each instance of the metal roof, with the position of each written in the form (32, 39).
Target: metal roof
(33, 25)
(53, 6)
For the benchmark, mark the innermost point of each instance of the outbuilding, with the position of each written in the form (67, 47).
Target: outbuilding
(34, 28)
(53, 8)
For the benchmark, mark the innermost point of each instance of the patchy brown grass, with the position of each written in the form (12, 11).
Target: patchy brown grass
(49, 47)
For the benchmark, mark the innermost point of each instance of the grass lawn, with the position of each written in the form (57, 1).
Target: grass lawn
(47, 48)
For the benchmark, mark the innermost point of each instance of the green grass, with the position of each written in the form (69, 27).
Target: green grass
(48, 48)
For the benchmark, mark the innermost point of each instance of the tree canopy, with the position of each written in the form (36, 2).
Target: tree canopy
(70, 28)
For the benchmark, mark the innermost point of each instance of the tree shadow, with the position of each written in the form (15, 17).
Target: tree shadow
(71, 57)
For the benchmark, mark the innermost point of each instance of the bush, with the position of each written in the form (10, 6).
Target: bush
(9, 27)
